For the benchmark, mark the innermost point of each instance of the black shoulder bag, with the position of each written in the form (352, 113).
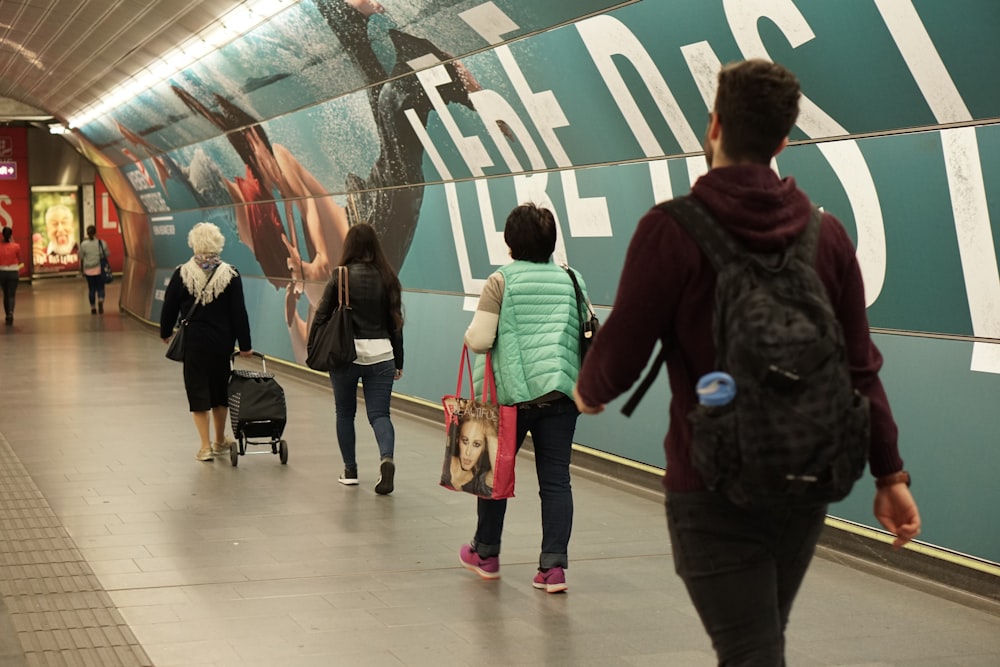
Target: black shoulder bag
(331, 341)
(106, 272)
(589, 326)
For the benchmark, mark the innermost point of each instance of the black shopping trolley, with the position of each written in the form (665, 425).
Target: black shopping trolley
(257, 410)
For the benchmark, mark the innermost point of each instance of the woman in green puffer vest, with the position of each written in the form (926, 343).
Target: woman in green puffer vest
(527, 317)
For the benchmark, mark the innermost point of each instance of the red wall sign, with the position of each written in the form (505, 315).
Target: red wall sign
(15, 195)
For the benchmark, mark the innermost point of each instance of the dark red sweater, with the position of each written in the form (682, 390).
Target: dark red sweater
(666, 294)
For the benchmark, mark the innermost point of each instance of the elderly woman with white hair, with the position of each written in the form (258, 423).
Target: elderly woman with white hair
(219, 320)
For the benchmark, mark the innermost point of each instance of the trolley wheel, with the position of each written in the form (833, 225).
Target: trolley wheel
(283, 452)
(234, 453)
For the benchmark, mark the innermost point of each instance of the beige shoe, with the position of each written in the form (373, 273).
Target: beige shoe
(204, 454)
(223, 447)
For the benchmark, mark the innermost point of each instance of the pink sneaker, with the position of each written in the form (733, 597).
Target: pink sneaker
(487, 568)
(553, 581)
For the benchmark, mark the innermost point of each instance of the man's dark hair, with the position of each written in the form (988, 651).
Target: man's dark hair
(757, 104)
(530, 233)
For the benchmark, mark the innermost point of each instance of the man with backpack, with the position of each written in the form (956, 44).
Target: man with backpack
(745, 276)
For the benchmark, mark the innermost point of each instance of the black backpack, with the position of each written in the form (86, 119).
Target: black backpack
(796, 432)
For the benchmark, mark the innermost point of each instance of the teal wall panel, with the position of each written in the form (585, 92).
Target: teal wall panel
(948, 434)
(601, 109)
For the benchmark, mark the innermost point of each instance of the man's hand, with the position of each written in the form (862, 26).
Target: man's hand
(582, 406)
(896, 510)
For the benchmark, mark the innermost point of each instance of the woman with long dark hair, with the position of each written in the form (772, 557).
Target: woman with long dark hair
(377, 317)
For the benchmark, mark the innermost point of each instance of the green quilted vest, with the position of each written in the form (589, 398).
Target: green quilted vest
(537, 349)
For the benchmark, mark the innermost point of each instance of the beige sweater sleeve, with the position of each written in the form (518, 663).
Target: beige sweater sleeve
(482, 332)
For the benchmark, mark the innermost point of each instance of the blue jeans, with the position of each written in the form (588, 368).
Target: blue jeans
(742, 569)
(376, 381)
(552, 428)
(95, 287)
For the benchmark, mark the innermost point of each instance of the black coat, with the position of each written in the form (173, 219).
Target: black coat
(215, 326)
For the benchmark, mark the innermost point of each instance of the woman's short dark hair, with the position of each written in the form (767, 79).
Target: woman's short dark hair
(91, 231)
(530, 233)
(7, 233)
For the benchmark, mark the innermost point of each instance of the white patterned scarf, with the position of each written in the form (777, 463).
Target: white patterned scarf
(195, 279)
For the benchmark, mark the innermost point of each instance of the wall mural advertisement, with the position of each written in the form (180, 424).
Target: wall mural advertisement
(55, 230)
(15, 195)
(510, 110)
(432, 119)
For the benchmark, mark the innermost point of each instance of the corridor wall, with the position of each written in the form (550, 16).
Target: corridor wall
(433, 119)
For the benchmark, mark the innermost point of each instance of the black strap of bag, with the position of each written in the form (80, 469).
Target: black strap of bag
(580, 301)
(589, 326)
(190, 312)
(343, 289)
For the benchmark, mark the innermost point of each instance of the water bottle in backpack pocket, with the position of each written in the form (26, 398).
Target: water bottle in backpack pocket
(713, 425)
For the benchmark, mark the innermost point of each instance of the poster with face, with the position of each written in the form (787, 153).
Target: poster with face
(55, 225)
(470, 462)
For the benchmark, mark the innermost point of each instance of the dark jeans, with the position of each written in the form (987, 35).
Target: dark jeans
(8, 281)
(95, 286)
(552, 428)
(376, 381)
(742, 569)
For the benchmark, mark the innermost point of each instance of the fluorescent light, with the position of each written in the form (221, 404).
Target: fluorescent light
(163, 69)
(195, 49)
(231, 26)
(220, 36)
(177, 60)
(240, 20)
(265, 9)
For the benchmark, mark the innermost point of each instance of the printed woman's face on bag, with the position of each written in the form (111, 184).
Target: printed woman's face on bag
(472, 443)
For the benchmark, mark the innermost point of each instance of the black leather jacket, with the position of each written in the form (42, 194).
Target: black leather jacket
(370, 314)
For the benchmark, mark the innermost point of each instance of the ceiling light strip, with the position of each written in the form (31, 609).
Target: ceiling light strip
(231, 26)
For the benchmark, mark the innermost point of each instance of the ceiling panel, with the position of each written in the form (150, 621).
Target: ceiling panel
(60, 56)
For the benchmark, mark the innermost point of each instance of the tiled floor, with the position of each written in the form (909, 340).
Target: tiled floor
(266, 564)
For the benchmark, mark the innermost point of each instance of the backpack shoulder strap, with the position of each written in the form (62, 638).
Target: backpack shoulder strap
(717, 244)
(807, 244)
(647, 381)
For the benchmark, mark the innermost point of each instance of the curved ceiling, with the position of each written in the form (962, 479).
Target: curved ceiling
(61, 56)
